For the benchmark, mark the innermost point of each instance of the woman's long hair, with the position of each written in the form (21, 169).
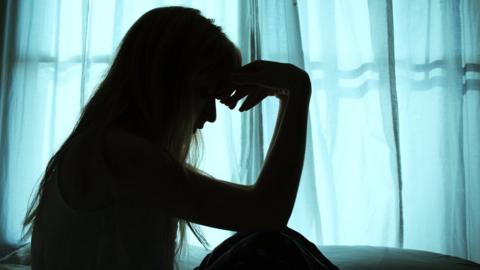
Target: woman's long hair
(149, 88)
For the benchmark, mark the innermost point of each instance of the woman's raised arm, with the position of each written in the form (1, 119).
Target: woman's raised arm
(148, 177)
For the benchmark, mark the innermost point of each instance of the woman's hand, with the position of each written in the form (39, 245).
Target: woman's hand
(260, 79)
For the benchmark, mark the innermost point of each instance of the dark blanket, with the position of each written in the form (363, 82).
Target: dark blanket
(283, 250)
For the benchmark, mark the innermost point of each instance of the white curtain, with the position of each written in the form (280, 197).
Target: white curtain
(393, 150)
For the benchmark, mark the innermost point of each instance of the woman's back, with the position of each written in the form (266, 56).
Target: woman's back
(79, 227)
(85, 181)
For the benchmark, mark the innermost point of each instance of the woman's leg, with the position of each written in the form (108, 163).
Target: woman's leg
(286, 249)
(309, 248)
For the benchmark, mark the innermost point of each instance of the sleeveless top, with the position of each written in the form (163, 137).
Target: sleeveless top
(110, 238)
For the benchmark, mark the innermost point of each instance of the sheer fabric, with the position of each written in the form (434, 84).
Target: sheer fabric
(393, 148)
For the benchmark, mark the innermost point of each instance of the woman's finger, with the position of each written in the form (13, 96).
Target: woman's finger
(232, 100)
(240, 93)
(225, 93)
(251, 101)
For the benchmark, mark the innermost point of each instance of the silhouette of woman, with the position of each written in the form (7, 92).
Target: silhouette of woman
(118, 189)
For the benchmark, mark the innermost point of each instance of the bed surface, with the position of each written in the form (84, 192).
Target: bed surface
(345, 257)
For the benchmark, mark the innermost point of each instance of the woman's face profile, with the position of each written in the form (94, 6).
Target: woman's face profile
(204, 105)
(209, 84)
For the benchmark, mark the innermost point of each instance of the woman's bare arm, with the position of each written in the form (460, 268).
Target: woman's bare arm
(146, 177)
(280, 175)
(281, 172)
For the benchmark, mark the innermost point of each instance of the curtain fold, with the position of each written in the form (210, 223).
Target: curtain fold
(381, 24)
(393, 141)
(8, 14)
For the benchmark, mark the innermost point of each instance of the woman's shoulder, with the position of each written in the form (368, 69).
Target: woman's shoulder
(130, 154)
(115, 136)
(83, 177)
(121, 144)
